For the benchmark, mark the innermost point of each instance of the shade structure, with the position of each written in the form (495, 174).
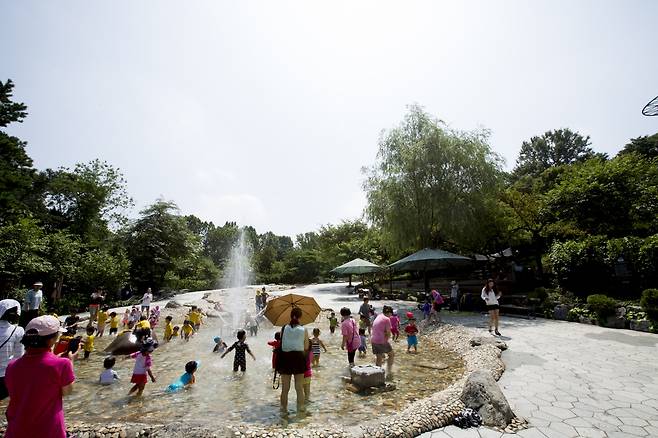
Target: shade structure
(278, 309)
(427, 259)
(356, 266)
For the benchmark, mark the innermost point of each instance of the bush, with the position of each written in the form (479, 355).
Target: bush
(602, 305)
(575, 314)
(649, 303)
(540, 294)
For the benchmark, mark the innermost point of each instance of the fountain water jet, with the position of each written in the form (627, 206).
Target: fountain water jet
(237, 276)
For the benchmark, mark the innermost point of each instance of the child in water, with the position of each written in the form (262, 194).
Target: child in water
(174, 334)
(187, 379)
(169, 329)
(412, 335)
(126, 318)
(275, 344)
(316, 343)
(395, 325)
(108, 376)
(363, 348)
(101, 320)
(220, 346)
(240, 347)
(187, 331)
(89, 341)
(143, 363)
(114, 323)
(333, 323)
(427, 309)
(308, 375)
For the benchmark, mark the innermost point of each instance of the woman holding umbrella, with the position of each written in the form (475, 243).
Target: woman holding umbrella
(292, 359)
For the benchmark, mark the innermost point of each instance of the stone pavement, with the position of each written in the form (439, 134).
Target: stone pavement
(573, 380)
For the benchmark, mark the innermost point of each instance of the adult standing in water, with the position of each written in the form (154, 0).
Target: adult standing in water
(490, 295)
(292, 359)
(97, 298)
(10, 339)
(380, 340)
(36, 383)
(146, 302)
(32, 302)
(350, 332)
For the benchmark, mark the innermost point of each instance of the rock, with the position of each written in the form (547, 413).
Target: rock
(481, 340)
(173, 305)
(481, 393)
(615, 322)
(366, 376)
(212, 314)
(641, 325)
(561, 311)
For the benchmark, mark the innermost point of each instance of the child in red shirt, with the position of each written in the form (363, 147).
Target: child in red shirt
(412, 331)
(275, 344)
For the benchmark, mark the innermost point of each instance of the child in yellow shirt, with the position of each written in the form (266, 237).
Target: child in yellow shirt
(89, 341)
(169, 329)
(114, 323)
(102, 318)
(187, 330)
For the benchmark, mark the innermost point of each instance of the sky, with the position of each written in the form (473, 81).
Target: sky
(265, 112)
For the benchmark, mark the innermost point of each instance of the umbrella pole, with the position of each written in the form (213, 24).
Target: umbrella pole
(427, 281)
(350, 285)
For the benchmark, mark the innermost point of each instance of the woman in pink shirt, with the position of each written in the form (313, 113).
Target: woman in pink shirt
(381, 333)
(36, 383)
(350, 332)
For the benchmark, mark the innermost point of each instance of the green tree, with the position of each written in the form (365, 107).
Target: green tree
(645, 146)
(554, 148)
(156, 242)
(22, 253)
(432, 185)
(16, 172)
(87, 199)
(63, 250)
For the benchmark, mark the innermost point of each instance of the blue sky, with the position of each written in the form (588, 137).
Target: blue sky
(264, 112)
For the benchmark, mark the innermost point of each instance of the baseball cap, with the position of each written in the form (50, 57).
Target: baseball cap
(45, 325)
(9, 304)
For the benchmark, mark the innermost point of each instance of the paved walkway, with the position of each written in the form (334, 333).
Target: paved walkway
(574, 380)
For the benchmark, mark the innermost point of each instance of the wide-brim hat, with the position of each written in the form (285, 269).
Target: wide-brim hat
(9, 304)
(37, 283)
(453, 282)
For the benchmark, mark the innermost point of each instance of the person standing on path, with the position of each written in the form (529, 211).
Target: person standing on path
(291, 361)
(454, 296)
(32, 303)
(36, 383)
(97, 298)
(146, 302)
(364, 311)
(381, 334)
(351, 338)
(10, 339)
(437, 303)
(490, 295)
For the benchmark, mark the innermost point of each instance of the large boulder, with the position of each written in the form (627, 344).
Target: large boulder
(561, 311)
(173, 305)
(366, 376)
(482, 340)
(482, 394)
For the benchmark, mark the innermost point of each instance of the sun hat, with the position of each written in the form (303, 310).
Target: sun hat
(45, 325)
(37, 283)
(148, 345)
(217, 339)
(9, 304)
(410, 315)
(395, 312)
(453, 282)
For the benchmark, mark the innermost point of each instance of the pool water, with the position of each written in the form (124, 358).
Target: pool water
(220, 396)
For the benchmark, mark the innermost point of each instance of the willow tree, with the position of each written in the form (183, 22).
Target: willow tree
(433, 186)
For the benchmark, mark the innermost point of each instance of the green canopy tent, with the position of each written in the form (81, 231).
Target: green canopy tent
(356, 266)
(428, 259)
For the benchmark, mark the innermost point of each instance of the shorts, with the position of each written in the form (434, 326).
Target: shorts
(139, 379)
(147, 308)
(381, 348)
(87, 353)
(291, 362)
(436, 306)
(241, 364)
(493, 306)
(332, 329)
(412, 340)
(113, 331)
(363, 348)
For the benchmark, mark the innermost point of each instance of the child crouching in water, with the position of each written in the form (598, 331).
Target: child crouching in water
(220, 346)
(240, 347)
(143, 363)
(186, 379)
(108, 376)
